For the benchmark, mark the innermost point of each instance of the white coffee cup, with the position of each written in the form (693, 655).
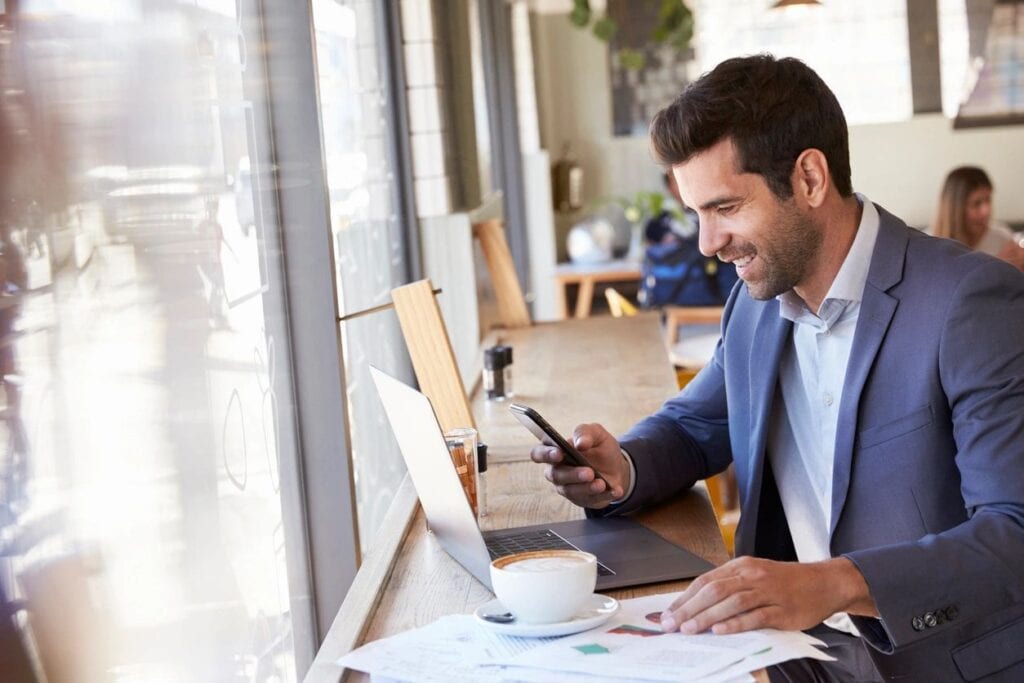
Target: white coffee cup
(544, 586)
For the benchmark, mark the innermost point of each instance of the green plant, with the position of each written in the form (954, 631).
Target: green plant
(674, 27)
(644, 205)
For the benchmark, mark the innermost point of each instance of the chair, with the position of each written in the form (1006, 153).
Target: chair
(689, 352)
(619, 305)
(692, 352)
(511, 303)
(430, 349)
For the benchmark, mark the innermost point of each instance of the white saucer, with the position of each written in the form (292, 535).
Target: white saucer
(595, 611)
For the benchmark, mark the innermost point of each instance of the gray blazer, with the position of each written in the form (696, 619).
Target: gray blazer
(928, 484)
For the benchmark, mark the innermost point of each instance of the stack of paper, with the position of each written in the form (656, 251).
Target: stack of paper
(630, 646)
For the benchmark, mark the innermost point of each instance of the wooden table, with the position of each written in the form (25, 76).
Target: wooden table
(612, 370)
(586, 275)
(602, 369)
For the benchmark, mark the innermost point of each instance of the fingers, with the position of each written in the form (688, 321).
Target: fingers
(587, 436)
(698, 584)
(582, 485)
(748, 593)
(704, 592)
(548, 454)
(562, 475)
(717, 602)
(761, 617)
(585, 496)
(712, 597)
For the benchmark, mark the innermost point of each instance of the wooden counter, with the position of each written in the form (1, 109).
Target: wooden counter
(603, 369)
(609, 370)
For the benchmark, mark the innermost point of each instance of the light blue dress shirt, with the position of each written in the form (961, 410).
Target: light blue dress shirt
(802, 435)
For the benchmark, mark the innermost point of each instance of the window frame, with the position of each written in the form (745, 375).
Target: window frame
(321, 487)
(321, 492)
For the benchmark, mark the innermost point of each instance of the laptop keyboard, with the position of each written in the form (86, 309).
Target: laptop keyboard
(543, 539)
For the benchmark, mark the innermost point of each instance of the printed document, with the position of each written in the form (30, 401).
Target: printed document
(629, 647)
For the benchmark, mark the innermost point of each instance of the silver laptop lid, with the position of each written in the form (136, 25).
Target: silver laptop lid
(421, 441)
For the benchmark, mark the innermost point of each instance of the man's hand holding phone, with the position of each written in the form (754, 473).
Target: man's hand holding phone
(582, 485)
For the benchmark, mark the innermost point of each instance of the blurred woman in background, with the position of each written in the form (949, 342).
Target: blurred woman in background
(965, 214)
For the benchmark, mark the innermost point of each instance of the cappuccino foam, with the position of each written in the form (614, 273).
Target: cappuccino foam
(545, 564)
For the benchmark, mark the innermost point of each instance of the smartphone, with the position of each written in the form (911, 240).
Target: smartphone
(547, 434)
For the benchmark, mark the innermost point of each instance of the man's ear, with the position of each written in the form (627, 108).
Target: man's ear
(811, 179)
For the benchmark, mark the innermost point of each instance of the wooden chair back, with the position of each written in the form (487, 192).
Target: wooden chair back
(689, 354)
(430, 349)
(509, 293)
(618, 305)
(675, 316)
(688, 361)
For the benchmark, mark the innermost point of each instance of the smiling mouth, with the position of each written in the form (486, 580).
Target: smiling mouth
(742, 263)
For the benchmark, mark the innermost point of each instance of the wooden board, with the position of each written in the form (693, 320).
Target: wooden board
(430, 349)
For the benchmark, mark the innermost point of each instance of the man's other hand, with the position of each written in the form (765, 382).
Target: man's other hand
(749, 593)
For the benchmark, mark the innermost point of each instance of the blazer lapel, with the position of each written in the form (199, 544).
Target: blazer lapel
(876, 311)
(763, 372)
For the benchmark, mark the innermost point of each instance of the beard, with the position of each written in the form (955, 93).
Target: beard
(793, 245)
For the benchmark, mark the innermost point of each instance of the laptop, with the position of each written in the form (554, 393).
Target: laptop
(628, 553)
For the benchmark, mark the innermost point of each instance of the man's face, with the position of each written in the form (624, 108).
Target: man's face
(770, 241)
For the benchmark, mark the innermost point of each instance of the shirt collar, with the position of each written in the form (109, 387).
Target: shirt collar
(848, 285)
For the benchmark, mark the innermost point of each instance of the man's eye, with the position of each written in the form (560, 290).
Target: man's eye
(727, 209)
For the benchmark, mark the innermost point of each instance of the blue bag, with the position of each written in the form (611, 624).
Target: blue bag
(676, 273)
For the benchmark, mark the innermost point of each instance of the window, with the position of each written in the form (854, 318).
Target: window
(367, 225)
(145, 368)
(858, 48)
(954, 54)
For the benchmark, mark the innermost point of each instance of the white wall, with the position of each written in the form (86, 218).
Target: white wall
(540, 227)
(899, 165)
(574, 103)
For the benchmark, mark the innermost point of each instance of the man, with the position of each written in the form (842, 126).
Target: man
(869, 387)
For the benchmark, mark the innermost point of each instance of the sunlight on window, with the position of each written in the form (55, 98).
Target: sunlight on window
(224, 7)
(109, 10)
(366, 225)
(859, 48)
(141, 388)
(954, 54)
(338, 20)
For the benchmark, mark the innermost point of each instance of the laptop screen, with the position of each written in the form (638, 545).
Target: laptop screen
(423, 447)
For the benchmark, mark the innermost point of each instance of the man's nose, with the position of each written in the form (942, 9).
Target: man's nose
(712, 239)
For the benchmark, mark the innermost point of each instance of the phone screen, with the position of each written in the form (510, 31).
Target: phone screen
(547, 434)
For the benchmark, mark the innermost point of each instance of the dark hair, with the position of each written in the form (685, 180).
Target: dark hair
(960, 183)
(772, 109)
